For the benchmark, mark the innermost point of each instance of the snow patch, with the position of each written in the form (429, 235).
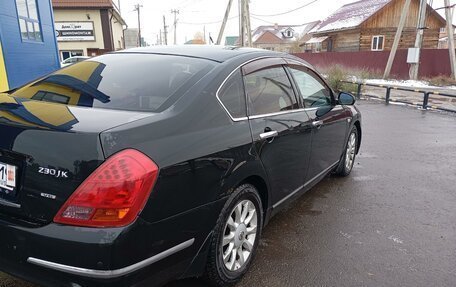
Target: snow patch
(396, 239)
(353, 21)
(407, 83)
(346, 235)
(351, 15)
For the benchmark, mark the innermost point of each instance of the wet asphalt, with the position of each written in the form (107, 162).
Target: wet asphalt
(392, 222)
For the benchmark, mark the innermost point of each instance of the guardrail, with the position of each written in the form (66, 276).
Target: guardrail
(426, 94)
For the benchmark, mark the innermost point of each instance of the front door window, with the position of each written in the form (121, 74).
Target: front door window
(312, 89)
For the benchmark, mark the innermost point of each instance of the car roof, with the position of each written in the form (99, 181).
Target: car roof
(210, 52)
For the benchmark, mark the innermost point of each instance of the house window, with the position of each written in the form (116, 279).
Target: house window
(378, 43)
(289, 33)
(69, 54)
(29, 21)
(329, 44)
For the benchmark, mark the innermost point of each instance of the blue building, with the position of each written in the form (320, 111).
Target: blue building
(28, 46)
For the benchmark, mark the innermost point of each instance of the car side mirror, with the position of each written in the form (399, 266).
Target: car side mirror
(346, 99)
(321, 111)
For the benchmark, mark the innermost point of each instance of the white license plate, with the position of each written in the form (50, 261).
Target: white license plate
(7, 176)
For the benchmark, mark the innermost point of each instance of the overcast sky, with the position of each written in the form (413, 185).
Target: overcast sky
(195, 15)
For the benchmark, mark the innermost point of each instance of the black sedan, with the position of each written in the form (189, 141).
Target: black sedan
(153, 164)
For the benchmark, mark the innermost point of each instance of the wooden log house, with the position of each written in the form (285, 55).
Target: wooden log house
(371, 25)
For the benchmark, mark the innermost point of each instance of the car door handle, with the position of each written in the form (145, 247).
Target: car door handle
(268, 135)
(317, 124)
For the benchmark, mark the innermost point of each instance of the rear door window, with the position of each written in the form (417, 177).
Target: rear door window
(269, 91)
(134, 82)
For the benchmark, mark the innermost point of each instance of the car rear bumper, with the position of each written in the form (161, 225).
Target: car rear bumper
(43, 256)
(142, 254)
(55, 244)
(110, 274)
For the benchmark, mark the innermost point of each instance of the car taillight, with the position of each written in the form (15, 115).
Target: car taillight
(114, 194)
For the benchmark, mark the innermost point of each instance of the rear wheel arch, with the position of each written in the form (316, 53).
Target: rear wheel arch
(260, 184)
(357, 124)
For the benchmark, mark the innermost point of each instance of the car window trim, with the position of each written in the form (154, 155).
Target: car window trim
(246, 118)
(280, 113)
(225, 82)
(262, 64)
(295, 87)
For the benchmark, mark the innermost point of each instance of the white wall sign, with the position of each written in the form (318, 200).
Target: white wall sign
(74, 31)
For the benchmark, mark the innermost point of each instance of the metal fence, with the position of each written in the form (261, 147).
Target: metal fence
(426, 94)
(434, 62)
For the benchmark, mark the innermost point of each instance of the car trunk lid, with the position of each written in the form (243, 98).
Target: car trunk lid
(46, 151)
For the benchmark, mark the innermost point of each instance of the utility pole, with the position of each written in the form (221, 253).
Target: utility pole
(397, 39)
(419, 38)
(175, 12)
(225, 19)
(450, 31)
(241, 22)
(138, 9)
(204, 31)
(165, 30)
(247, 22)
(161, 39)
(245, 30)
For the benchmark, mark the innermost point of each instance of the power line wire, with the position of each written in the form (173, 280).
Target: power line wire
(208, 23)
(444, 7)
(287, 12)
(186, 3)
(256, 18)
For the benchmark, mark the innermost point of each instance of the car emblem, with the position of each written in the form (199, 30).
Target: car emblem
(47, 195)
(53, 172)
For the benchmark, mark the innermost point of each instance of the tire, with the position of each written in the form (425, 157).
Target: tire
(229, 240)
(348, 158)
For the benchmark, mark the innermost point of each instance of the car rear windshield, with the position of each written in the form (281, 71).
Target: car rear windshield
(124, 81)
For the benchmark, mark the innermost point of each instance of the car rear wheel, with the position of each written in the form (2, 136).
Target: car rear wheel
(348, 158)
(236, 237)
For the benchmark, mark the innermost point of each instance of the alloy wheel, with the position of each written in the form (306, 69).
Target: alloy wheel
(350, 153)
(239, 236)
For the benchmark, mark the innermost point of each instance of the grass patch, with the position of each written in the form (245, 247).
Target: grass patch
(441, 81)
(338, 73)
